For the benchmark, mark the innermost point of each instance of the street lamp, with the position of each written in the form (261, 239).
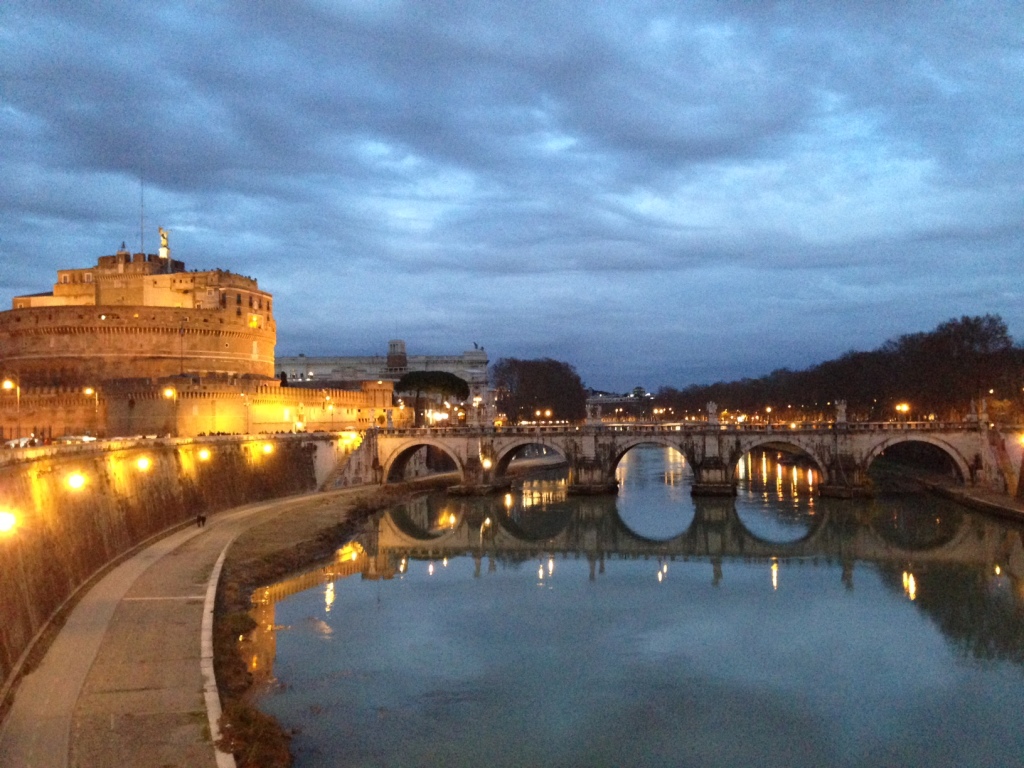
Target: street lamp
(245, 402)
(13, 382)
(94, 393)
(172, 394)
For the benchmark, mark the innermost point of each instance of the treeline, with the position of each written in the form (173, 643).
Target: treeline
(937, 373)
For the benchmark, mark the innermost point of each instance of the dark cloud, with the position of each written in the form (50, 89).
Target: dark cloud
(657, 192)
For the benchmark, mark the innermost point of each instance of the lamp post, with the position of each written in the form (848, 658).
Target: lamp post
(172, 394)
(245, 402)
(94, 393)
(13, 382)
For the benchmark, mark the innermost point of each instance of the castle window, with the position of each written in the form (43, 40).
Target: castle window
(238, 299)
(64, 279)
(88, 277)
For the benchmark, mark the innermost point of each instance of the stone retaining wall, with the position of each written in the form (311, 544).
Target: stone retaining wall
(128, 492)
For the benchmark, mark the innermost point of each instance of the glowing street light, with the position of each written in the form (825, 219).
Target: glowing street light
(170, 393)
(8, 521)
(94, 393)
(13, 382)
(75, 481)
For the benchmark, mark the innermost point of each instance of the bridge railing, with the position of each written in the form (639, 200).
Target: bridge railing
(670, 429)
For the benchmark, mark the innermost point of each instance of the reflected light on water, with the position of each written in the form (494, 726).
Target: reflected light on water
(329, 596)
(910, 585)
(430, 569)
(775, 574)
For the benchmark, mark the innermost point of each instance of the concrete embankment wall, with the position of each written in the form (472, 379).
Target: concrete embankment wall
(64, 535)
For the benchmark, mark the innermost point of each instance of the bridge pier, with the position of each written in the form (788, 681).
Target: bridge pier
(713, 461)
(847, 479)
(589, 477)
(478, 479)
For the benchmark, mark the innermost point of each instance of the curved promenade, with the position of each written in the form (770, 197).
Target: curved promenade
(122, 685)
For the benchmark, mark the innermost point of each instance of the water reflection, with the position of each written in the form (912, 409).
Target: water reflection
(560, 618)
(775, 495)
(654, 492)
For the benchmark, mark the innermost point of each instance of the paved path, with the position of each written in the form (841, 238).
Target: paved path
(122, 686)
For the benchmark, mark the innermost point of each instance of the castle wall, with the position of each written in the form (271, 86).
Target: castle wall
(79, 345)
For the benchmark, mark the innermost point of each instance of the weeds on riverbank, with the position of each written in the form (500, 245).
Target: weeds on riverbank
(256, 739)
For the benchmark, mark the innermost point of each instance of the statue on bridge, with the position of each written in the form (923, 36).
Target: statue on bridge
(840, 411)
(712, 412)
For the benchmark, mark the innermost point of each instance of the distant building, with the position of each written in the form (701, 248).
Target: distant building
(470, 366)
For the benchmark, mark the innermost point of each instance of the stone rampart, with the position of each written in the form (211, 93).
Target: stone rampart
(78, 508)
(88, 345)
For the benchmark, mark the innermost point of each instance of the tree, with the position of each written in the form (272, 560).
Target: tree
(528, 386)
(440, 383)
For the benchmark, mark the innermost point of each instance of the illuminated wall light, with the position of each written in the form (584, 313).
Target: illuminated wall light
(75, 481)
(8, 521)
(487, 463)
(143, 463)
(268, 448)
(204, 454)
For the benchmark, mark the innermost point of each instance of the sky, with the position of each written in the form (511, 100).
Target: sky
(660, 193)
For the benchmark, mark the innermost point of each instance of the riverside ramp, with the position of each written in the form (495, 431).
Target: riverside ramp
(122, 685)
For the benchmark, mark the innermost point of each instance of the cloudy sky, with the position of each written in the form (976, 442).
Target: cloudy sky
(661, 193)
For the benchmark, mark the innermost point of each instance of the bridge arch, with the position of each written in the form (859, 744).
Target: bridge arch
(785, 445)
(504, 455)
(621, 449)
(959, 460)
(399, 457)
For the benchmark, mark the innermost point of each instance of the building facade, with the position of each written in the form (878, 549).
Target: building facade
(470, 366)
(135, 345)
(139, 316)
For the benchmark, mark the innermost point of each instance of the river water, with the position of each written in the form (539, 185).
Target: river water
(653, 629)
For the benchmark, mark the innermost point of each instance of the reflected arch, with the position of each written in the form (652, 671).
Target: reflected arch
(394, 466)
(783, 547)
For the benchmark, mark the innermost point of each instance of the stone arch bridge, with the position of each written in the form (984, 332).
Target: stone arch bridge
(842, 453)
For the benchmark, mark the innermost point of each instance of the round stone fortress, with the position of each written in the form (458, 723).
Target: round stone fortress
(139, 316)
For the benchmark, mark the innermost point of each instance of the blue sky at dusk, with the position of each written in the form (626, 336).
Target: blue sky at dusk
(661, 193)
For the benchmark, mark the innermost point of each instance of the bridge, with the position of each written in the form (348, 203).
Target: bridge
(841, 453)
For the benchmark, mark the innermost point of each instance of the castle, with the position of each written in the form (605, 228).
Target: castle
(138, 345)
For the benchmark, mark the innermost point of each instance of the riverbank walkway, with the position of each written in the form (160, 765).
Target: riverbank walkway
(123, 684)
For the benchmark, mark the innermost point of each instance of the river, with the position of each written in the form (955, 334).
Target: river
(655, 629)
